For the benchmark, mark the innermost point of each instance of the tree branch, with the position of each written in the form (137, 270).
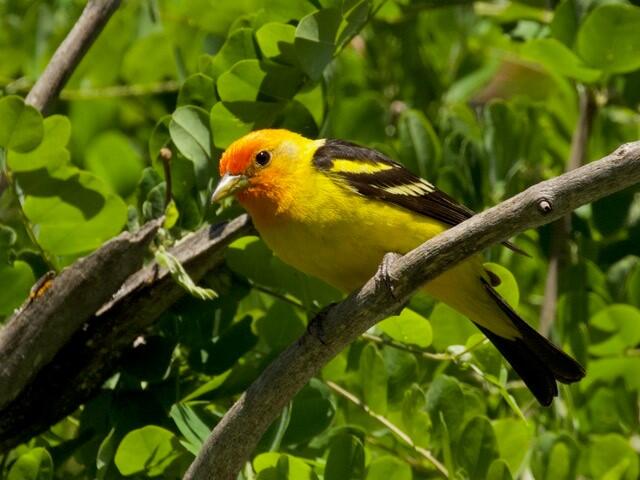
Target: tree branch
(44, 324)
(91, 355)
(236, 435)
(68, 55)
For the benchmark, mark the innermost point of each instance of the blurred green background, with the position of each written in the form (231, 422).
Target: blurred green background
(481, 98)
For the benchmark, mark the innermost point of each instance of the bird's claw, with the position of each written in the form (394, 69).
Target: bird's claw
(384, 272)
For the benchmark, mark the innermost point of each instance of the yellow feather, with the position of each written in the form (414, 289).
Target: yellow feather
(350, 166)
(326, 230)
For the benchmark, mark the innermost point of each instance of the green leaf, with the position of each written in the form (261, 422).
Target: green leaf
(611, 457)
(415, 417)
(241, 82)
(311, 413)
(180, 275)
(608, 369)
(420, 148)
(449, 327)
(21, 127)
(219, 355)
(149, 450)
(374, 379)
(610, 213)
(149, 59)
(554, 457)
(190, 425)
(198, 90)
(276, 466)
(315, 40)
(227, 127)
(559, 59)
(514, 441)
(275, 41)
(16, 281)
(408, 327)
(190, 133)
(238, 46)
(105, 455)
(508, 288)
(50, 153)
(498, 470)
(7, 236)
(477, 447)
(608, 38)
(388, 468)
(346, 458)
(112, 157)
(564, 25)
(248, 80)
(73, 210)
(35, 464)
(445, 398)
(633, 286)
(622, 322)
(281, 325)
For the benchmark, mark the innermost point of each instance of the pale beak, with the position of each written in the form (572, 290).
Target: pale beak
(228, 185)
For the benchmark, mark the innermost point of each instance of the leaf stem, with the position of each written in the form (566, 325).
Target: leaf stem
(49, 260)
(391, 426)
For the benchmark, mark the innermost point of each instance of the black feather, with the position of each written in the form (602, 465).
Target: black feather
(534, 358)
(434, 204)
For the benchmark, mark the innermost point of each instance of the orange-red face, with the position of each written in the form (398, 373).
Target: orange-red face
(257, 165)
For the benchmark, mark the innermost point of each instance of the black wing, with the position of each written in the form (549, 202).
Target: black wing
(391, 182)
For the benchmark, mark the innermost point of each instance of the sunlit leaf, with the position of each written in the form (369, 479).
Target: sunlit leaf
(21, 126)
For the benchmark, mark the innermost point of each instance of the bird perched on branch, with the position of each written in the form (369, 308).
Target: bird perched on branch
(332, 209)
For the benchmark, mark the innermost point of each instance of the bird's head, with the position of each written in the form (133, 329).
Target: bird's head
(260, 166)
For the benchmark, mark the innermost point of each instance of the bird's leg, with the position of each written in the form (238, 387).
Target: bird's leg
(315, 327)
(384, 271)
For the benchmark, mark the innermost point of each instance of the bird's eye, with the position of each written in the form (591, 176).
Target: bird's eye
(262, 158)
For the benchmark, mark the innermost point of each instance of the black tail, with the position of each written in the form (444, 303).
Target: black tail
(534, 358)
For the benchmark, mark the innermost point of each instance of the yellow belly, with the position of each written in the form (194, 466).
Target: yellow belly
(343, 245)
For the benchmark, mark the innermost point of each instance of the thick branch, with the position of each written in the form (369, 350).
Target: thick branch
(43, 325)
(68, 55)
(236, 435)
(91, 355)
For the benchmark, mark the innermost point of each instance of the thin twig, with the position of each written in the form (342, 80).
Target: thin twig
(165, 155)
(26, 223)
(560, 228)
(408, 348)
(68, 55)
(391, 426)
(120, 91)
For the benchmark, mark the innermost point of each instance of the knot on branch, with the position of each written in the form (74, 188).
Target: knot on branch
(621, 151)
(545, 206)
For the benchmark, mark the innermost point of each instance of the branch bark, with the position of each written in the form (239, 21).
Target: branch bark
(91, 354)
(44, 324)
(68, 55)
(236, 435)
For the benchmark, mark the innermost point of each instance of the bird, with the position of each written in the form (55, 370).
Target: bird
(333, 209)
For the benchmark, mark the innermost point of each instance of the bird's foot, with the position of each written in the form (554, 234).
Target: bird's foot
(315, 327)
(384, 272)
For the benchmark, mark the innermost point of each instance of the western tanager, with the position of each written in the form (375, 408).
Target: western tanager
(332, 209)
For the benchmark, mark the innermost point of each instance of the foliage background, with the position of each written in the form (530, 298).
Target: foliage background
(479, 97)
